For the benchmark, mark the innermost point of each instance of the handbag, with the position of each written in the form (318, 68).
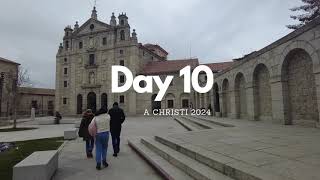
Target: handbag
(93, 128)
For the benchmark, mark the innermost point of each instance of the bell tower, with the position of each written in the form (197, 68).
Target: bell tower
(123, 32)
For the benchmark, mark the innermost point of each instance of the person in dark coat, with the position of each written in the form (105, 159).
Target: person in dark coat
(84, 132)
(117, 117)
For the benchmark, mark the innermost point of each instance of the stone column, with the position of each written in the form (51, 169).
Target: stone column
(250, 101)
(277, 97)
(132, 103)
(222, 108)
(110, 100)
(232, 97)
(33, 114)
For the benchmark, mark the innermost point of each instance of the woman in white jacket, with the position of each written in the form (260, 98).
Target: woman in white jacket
(102, 123)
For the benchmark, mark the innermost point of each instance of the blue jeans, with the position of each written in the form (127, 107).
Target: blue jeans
(89, 145)
(102, 140)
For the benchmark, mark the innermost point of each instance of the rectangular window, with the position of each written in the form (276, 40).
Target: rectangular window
(65, 83)
(121, 62)
(80, 45)
(122, 79)
(185, 103)
(91, 59)
(121, 51)
(121, 99)
(64, 100)
(104, 41)
(170, 103)
(65, 60)
(65, 70)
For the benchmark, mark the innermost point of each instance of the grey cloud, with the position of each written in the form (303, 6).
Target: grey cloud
(216, 30)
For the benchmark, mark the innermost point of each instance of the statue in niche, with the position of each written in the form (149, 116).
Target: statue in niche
(92, 78)
(80, 61)
(91, 42)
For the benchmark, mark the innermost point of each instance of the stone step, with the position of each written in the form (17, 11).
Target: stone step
(204, 124)
(212, 121)
(162, 166)
(185, 124)
(190, 166)
(194, 123)
(228, 166)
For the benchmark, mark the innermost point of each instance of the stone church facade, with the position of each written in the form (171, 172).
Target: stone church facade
(85, 58)
(279, 83)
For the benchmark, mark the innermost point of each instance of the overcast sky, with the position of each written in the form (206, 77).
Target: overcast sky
(214, 30)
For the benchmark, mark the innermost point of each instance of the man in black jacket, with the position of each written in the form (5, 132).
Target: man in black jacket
(117, 117)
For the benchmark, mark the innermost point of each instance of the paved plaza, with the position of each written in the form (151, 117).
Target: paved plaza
(256, 147)
(42, 131)
(73, 164)
(292, 152)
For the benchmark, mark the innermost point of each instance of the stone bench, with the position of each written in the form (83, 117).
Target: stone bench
(40, 165)
(70, 134)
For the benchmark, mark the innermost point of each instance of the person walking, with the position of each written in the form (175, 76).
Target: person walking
(117, 118)
(99, 128)
(84, 132)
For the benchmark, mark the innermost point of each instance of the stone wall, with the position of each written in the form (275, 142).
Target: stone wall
(40, 99)
(8, 72)
(280, 87)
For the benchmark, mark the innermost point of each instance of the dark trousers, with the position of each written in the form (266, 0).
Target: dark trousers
(89, 145)
(116, 141)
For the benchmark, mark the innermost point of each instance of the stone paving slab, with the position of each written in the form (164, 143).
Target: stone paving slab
(292, 152)
(73, 165)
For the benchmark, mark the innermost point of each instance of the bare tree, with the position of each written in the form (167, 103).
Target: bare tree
(16, 80)
(311, 9)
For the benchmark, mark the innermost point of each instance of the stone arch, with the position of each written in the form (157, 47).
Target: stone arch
(92, 101)
(216, 96)
(79, 104)
(304, 45)
(262, 93)
(185, 100)
(226, 97)
(104, 100)
(170, 101)
(240, 96)
(299, 87)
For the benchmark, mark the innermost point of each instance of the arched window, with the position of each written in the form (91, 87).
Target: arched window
(122, 35)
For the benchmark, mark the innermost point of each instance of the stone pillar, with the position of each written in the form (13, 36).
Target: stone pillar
(277, 98)
(33, 114)
(222, 108)
(132, 103)
(232, 95)
(98, 100)
(250, 101)
(110, 100)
